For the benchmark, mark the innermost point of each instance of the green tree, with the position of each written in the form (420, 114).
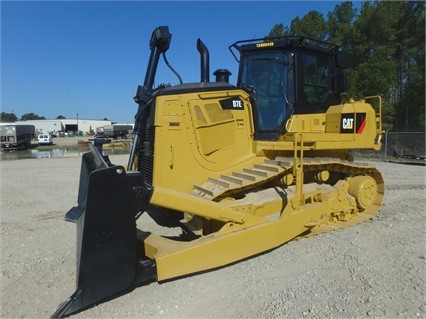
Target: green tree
(60, 117)
(31, 116)
(411, 67)
(311, 25)
(8, 117)
(389, 54)
(340, 25)
(278, 30)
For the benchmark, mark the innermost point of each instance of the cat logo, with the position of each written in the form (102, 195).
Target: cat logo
(353, 123)
(347, 123)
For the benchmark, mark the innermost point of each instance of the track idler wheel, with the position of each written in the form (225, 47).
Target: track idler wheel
(364, 190)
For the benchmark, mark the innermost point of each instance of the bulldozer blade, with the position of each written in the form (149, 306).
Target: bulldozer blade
(106, 235)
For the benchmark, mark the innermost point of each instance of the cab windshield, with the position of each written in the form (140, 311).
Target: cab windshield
(266, 76)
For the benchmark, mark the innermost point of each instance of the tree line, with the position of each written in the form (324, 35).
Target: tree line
(386, 43)
(11, 117)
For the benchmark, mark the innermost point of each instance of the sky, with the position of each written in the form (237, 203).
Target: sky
(88, 57)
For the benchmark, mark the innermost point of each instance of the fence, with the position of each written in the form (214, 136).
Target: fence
(404, 145)
(408, 145)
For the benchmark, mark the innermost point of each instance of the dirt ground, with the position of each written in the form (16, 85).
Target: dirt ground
(373, 270)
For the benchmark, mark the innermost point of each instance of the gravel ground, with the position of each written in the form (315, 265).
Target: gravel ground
(373, 270)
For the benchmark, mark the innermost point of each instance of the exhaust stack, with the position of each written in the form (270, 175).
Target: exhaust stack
(205, 62)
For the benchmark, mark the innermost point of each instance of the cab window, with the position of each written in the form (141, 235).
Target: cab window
(316, 78)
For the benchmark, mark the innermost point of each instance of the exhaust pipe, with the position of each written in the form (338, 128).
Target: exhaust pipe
(205, 62)
(159, 43)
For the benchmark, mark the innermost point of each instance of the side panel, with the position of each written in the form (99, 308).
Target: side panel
(200, 135)
(343, 127)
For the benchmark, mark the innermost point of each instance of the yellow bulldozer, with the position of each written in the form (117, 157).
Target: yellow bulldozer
(237, 169)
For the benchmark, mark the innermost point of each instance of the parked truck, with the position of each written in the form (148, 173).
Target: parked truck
(16, 136)
(116, 131)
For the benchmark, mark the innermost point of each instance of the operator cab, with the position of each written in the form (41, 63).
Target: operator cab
(288, 75)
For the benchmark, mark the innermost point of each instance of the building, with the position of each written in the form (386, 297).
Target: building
(45, 126)
(83, 125)
(67, 125)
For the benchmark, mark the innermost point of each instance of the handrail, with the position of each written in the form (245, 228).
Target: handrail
(298, 199)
